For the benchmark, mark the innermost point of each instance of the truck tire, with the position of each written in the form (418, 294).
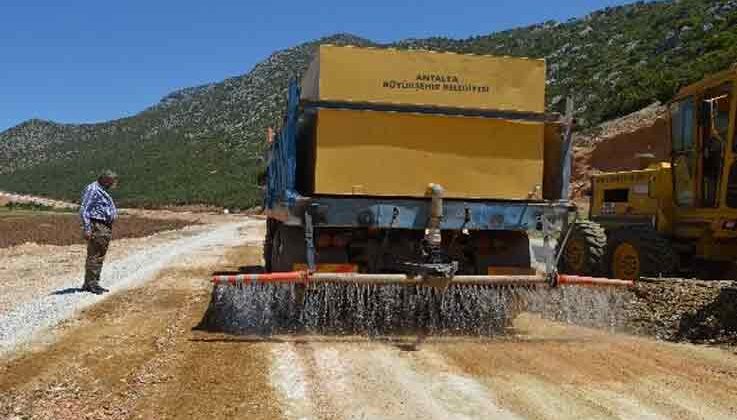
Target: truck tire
(585, 250)
(287, 248)
(271, 226)
(640, 251)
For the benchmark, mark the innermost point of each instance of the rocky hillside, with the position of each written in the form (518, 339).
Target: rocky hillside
(203, 144)
(614, 145)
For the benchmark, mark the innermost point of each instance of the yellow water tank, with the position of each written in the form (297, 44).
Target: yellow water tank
(362, 152)
(390, 122)
(425, 78)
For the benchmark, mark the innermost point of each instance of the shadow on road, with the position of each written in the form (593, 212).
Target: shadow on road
(407, 346)
(68, 291)
(405, 343)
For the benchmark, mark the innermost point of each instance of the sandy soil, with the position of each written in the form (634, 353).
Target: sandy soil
(49, 228)
(137, 355)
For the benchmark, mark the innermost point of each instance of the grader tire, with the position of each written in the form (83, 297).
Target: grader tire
(585, 250)
(640, 251)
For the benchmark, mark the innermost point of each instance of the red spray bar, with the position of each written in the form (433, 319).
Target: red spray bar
(303, 277)
(592, 281)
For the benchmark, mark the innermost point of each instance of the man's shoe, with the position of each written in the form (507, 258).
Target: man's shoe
(91, 289)
(94, 289)
(102, 289)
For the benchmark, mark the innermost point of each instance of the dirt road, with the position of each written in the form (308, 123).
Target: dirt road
(136, 355)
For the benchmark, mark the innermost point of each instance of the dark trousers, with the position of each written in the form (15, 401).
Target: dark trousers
(96, 250)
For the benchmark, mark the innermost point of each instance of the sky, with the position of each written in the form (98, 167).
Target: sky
(77, 61)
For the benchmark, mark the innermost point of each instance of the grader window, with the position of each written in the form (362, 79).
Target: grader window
(619, 195)
(682, 125)
(714, 128)
(683, 134)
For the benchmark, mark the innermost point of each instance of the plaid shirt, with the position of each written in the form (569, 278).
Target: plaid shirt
(96, 204)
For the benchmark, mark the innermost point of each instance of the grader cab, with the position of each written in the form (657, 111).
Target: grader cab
(669, 217)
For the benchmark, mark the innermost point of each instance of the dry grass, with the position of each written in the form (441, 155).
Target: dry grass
(64, 229)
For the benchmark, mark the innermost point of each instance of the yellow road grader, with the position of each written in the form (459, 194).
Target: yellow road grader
(669, 217)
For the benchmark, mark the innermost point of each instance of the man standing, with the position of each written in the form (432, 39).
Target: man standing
(98, 212)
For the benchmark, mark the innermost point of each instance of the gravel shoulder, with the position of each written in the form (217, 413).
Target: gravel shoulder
(134, 355)
(39, 287)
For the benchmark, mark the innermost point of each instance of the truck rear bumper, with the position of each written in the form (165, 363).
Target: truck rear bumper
(408, 213)
(303, 277)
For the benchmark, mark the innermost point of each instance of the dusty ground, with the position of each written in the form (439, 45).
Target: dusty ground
(136, 355)
(32, 268)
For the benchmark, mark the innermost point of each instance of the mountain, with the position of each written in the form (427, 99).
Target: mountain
(197, 145)
(204, 144)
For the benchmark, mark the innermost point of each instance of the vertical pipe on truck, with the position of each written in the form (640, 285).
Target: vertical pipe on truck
(433, 236)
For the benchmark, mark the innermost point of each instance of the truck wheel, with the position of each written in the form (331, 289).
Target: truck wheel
(287, 248)
(636, 252)
(585, 250)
